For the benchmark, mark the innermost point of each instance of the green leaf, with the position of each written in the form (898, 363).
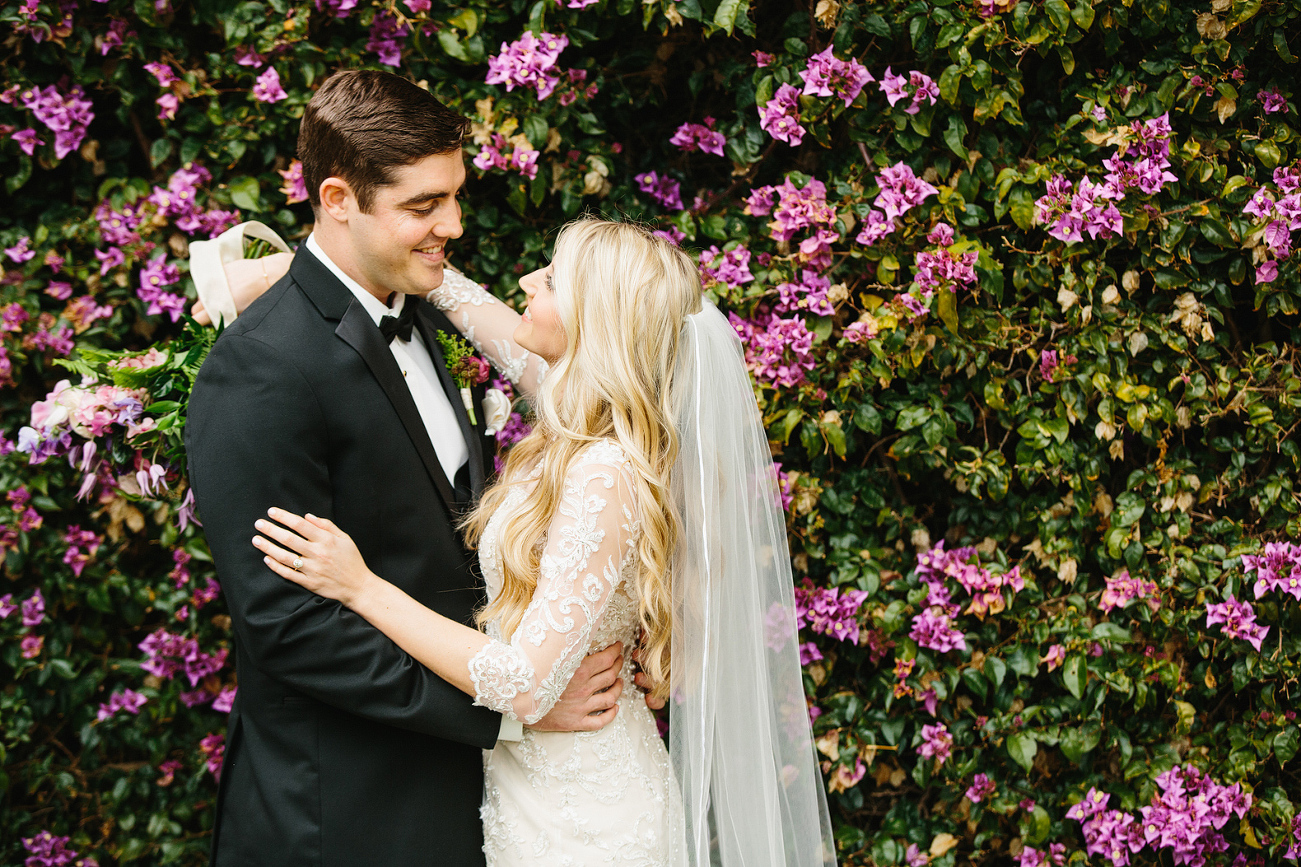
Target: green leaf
(1082, 14)
(1022, 210)
(535, 129)
(835, 435)
(1280, 45)
(451, 45)
(954, 133)
(466, 20)
(1076, 674)
(1285, 744)
(1060, 14)
(1079, 741)
(1022, 748)
(245, 194)
(946, 306)
(728, 12)
(912, 416)
(159, 151)
(950, 79)
(1268, 153)
(1109, 632)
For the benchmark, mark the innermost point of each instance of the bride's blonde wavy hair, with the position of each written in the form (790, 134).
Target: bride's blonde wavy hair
(623, 296)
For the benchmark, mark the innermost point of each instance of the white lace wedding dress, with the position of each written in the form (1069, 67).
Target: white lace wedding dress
(567, 798)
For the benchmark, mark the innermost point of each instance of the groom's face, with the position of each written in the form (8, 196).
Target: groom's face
(399, 245)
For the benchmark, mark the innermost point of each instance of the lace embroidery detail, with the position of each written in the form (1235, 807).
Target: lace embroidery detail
(556, 799)
(581, 567)
(457, 289)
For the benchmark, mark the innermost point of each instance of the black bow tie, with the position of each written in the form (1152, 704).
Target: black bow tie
(400, 325)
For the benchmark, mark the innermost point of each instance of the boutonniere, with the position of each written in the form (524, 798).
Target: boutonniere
(496, 411)
(466, 368)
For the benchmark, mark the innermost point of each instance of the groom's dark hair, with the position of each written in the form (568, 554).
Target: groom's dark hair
(361, 124)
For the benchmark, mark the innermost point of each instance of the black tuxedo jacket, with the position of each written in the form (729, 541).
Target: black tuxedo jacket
(341, 749)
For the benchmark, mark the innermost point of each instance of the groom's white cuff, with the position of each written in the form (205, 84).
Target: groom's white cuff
(511, 730)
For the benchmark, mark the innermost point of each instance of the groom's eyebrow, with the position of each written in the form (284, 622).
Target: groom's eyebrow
(420, 198)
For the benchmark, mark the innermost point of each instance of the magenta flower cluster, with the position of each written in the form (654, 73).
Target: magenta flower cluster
(1185, 817)
(1032, 857)
(1122, 589)
(167, 655)
(47, 850)
(809, 294)
(528, 62)
(981, 788)
(933, 628)
(936, 744)
(661, 188)
(798, 209)
(213, 748)
(267, 88)
(936, 270)
(179, 202)
(387, 35)
(294, 187)
(67, 114)
(827, 76)
(1279, 209)
(82, 545)
(33, 614)
(494, 156)
(829, 611)
(900, 191)
(700, 137)
(127, 700)
(1145, 165)
(731, 268)
(1068, 214)
(1277, 567)
(777, 350)
(918, 87)
(1237, 620)
(1272, 101)
(780, 116)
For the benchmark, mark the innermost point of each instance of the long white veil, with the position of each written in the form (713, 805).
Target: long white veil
(740, 738)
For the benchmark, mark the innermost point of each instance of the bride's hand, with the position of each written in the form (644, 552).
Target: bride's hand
(248, 279)
(315, 554)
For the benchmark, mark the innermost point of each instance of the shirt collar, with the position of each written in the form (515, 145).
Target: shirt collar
(374, 308)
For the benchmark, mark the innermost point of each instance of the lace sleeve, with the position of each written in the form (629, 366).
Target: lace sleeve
(489, 325)
(590, 538)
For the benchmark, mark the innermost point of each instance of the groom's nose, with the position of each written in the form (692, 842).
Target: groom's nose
(449, 223)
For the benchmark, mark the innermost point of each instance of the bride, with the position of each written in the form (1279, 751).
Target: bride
(643, 509)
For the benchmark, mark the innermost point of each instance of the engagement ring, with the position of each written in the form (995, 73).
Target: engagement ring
(297, 564)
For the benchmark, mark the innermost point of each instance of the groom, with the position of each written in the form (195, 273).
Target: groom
(329, 396)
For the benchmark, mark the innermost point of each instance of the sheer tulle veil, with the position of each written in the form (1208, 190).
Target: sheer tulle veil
(740, 738)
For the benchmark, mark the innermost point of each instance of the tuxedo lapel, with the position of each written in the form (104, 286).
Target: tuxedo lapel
(358, 330)
(428, 327)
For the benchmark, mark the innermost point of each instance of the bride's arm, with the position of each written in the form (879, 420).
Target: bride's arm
(523, 679)
(489, 324)
(486, 322)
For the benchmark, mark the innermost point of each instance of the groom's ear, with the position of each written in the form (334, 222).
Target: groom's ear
(337, 199)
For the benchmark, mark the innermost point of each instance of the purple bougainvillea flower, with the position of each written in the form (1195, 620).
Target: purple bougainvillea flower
(780, 116)
(267, 88)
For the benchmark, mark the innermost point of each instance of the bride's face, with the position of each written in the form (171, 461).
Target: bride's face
(539, 330)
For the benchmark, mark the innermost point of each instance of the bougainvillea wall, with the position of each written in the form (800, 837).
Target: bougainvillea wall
(1016, 284)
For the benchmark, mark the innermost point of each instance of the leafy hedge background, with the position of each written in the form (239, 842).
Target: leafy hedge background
(1015, 284)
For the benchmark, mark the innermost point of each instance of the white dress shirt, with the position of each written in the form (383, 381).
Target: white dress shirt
(422, 381)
